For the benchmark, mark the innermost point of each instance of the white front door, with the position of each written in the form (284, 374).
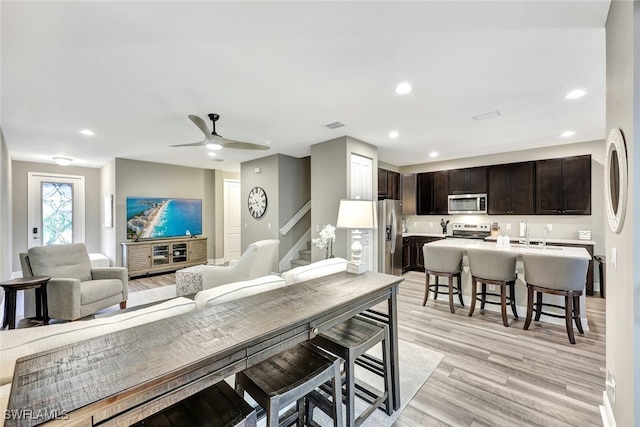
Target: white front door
(55, 209)
(232, 223)
(362, 188)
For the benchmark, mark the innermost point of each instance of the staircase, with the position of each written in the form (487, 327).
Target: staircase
(304, 257)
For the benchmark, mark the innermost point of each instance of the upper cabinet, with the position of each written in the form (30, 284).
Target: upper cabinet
(468, 181)
(432, 191)
(563, 186)
(408, 184)
(511, 189)
(388, 185)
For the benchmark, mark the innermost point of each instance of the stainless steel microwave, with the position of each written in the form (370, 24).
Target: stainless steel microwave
(468, 203)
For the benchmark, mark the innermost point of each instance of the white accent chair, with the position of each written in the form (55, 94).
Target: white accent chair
(259, 259)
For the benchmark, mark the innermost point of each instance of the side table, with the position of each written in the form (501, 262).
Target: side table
(11, 287)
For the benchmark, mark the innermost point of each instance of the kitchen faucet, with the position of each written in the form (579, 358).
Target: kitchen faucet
(545, 232)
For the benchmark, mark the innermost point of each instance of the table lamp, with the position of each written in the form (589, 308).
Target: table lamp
(356, 215)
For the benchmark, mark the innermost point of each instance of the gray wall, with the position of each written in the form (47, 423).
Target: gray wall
(330, 182)
(286, 180)
(93, 204)
(623, 290)
(564, 226)
(265, 227)
(294, 189)
(141, 179)
(6, 236)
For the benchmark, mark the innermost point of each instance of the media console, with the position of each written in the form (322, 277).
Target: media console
(156, 256)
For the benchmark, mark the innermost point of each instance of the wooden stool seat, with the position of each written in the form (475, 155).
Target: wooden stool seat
(289, 377)
(350, 340)
(443, 262)
(493, 268)
(216, 406)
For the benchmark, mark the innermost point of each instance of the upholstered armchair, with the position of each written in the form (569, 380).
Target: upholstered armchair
(75, 290)
(259, 259)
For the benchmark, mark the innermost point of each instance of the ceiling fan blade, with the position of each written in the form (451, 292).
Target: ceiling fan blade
(202, 125)
(193, 144)
(229, 143)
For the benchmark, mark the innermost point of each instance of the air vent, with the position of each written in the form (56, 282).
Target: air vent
(485, 116)
(335, 125)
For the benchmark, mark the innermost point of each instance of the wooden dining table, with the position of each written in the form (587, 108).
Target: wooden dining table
(125, 376)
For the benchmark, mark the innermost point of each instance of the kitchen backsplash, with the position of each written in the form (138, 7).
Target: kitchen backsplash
(565, 227)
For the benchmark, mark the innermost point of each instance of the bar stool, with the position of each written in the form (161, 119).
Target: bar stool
(216, 406)
(350, 340)
(556, 276)
(443, 262)
(493, 268)
(292, 377)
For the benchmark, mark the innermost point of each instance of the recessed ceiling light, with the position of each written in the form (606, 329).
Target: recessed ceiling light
(433, 154)
(213, 146)
(63, 161)
(575, 94)
(393, 134)
(87, 132)
(211, 154)
(403, 88)
(567, 133)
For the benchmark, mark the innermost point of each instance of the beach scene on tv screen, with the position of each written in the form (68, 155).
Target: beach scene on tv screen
(155, 217)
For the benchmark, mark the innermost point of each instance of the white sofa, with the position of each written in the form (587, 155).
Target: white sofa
(315, 270)
(16, 343)
(232, 291)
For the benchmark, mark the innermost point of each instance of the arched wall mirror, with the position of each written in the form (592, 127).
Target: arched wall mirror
(615, 180)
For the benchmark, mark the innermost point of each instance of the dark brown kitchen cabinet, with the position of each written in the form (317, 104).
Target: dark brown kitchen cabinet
(511, 189)
(414, 259)
(408, 182)
(406, 254)
(468, 180)
(388, 185)
(432, 191)
(563, 186)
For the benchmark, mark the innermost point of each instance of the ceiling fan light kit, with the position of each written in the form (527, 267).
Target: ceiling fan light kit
(214, 141)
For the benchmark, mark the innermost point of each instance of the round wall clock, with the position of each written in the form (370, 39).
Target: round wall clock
(615, 180)
(257, 202)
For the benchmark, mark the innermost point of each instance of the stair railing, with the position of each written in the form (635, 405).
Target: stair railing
(296, 218)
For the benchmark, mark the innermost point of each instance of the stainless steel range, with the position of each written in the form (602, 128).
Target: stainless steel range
(470, 231)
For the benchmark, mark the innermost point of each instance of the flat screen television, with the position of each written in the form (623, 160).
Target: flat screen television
(163, 217)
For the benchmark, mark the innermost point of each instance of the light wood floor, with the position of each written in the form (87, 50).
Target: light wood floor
(492, 375)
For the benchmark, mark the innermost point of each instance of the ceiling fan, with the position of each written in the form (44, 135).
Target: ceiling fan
(214, 141)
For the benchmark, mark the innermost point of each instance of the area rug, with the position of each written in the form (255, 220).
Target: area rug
(416, 365)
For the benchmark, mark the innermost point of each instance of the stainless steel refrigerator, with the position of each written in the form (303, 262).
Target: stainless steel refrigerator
(390, 237)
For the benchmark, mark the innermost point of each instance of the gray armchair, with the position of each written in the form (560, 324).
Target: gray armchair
(75, 289)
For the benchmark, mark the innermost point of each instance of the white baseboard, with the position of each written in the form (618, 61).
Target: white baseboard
(606, 412)
(285, 262)
(16, 275)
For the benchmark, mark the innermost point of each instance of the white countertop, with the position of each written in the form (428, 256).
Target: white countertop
(555, 251)
(409, 234)
(558, 241)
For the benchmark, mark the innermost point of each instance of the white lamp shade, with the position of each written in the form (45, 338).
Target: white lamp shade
(358, 214)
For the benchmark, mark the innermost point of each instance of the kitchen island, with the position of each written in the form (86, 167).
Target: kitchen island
(521, 289)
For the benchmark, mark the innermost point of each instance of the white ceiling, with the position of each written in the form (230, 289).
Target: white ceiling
(280, 71)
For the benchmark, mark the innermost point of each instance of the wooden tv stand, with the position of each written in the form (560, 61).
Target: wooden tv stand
(157, 256)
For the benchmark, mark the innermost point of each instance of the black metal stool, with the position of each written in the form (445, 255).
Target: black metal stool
(216, 406)
(350, 340)
(292, 377)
